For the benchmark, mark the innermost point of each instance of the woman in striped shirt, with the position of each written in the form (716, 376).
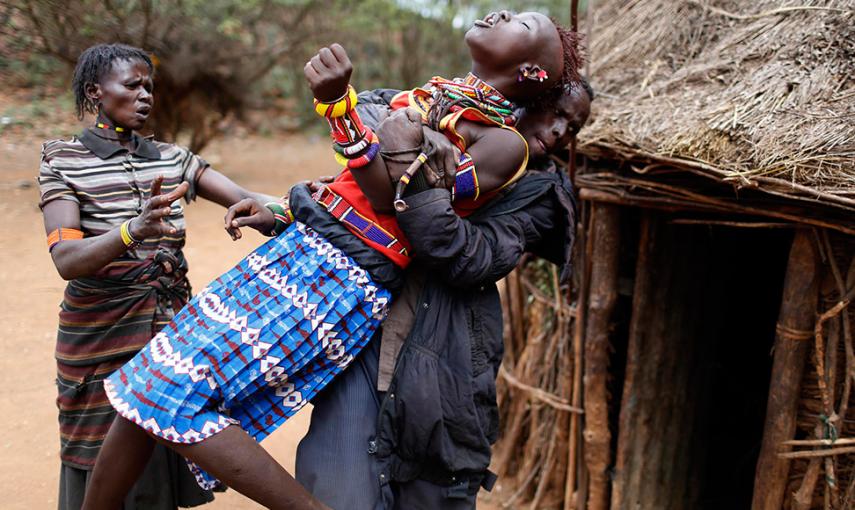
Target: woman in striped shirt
(116, 232)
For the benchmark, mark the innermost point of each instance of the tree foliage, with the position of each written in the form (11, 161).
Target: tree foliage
(217, 59)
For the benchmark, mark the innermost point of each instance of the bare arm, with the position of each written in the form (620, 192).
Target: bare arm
(328, 74)
(218, 188)
(84, 257)
(497, 154)
(373, 179)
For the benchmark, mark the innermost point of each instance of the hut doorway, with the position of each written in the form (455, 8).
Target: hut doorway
(705, 302)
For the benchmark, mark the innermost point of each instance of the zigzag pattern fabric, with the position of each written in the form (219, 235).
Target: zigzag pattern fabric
(254, 346)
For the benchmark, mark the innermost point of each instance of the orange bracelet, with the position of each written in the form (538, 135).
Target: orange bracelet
(63, 234)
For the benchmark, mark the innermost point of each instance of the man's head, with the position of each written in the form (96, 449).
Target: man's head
(549, 126)
(509, 51)
(114, 81)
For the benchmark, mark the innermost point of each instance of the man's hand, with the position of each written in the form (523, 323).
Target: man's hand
(441, 168)
(248, 213)
(400, 131)
(328, 73)
(403, 129)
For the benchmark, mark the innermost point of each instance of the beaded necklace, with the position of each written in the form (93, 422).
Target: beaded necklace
(472, 92)
(117, 129)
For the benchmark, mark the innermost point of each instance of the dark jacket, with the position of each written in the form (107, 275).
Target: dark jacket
(439, 417)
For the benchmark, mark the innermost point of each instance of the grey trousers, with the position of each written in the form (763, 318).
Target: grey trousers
(333, 462)
(166, 484)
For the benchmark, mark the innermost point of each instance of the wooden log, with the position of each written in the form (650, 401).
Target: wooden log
(707, 204)
(797, 314)
(773, 185)
(605, 237)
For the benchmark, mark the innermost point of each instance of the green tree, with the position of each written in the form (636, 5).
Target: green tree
(209, 55)
(218, 59)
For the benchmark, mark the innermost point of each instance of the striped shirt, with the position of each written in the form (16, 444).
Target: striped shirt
(110, 184)
(106, 318)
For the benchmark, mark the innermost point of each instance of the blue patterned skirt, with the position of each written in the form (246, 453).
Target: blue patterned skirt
(254, 346)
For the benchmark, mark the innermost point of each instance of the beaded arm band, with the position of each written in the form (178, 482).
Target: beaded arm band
(282, 215)
(363, 157)
(466, 180)
(63, 234)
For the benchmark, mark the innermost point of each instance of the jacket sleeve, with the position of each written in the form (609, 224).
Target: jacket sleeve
(464, 252)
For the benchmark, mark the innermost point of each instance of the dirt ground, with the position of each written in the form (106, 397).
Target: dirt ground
(29, 442)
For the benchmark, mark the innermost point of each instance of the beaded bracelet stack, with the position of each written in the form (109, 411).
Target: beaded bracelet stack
(354, 143)
(282, 216)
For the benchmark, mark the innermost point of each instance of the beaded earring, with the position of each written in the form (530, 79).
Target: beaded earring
(532, 72)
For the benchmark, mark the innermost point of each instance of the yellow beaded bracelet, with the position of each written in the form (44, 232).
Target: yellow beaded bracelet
(127, 238)
(339, 107)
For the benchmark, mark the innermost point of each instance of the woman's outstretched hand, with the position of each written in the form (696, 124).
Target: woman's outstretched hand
(248, 213)
(150, 222)
(252, 213)
(316, 185)
(328, 73)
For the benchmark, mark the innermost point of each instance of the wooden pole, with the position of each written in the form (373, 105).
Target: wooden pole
(573, 454)
(576, 394)
(792, 340)
(605, 237)
(574, 26)
(574, 15)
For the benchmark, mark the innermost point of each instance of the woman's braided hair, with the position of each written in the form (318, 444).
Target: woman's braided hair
(574, 59)
(573, 54)
(93, 64)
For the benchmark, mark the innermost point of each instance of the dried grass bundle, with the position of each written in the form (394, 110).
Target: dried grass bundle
(534, 391)
(745, 90)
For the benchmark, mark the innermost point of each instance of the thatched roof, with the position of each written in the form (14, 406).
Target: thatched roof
(761, 93)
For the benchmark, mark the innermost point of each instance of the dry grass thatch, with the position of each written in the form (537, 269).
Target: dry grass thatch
(746, 91)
